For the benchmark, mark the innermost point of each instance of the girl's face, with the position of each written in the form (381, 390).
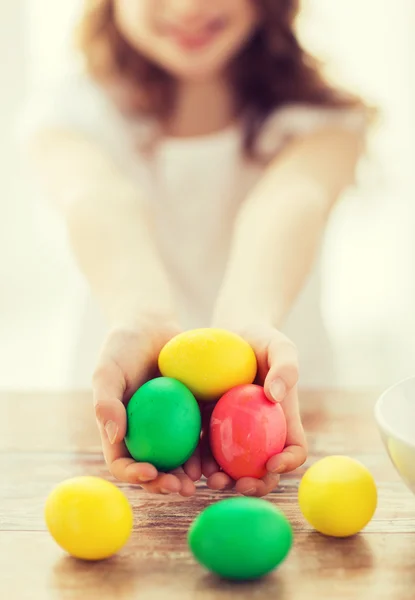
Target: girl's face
(191, 39)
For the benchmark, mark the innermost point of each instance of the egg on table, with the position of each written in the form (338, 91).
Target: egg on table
(246, 430)
(89, 517)
(208, 361)
(338, 496)
(163, 424)
(240, 538)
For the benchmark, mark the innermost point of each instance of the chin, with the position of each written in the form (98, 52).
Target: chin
(194, 66)
(195, 74)
(195, 70)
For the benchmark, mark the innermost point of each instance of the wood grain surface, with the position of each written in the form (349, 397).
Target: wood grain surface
(46, 438)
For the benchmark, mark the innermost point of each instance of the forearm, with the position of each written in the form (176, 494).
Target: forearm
(112, 240)
(279, 228)
(274, 246)
(109, 227)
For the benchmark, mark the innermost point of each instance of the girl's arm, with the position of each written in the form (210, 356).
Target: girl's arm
(279, 228)
(111, 236)
(109, 227)
(277, 234)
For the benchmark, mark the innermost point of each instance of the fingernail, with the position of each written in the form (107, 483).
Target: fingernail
(112, 430)
(145, 479)
(280, 469)
(164, 491)
(278, 389)
(249, 492)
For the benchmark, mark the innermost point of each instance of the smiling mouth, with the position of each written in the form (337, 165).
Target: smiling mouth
(197, 40)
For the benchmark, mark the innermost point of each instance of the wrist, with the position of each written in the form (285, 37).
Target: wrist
(145, 319)
(249, 299)
(243, 315)
(153, 331)
(134, 307)
(242, 326)
(245, 324)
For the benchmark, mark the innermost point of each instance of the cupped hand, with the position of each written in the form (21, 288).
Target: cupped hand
(202, 462)
(278, 373)
(128, 359)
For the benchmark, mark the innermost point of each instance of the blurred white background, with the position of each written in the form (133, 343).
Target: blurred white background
(369, 291)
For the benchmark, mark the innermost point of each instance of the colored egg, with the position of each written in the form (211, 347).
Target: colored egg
(90, 518)
(240, 538)
(246, 430)
(338, 496)
(208, 361)
(163, 424)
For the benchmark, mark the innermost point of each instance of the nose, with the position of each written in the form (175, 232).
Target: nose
(188, 12)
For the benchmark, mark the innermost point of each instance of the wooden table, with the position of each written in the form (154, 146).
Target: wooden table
(45, 438)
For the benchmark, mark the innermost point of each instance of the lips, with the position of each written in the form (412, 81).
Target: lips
(197, 40)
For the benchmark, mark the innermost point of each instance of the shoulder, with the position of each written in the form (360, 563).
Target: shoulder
(69, 101)
(76, 103)
(297, 120)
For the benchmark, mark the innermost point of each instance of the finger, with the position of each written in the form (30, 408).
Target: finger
(108, 387)
(127, 470)
(108, 394)
(188, 488)
(121, 465)
(208, 462)
(166, 483)
(248, 486)
(209, 466)
(283, 368)
(220, 481)
(193, 467)
(290, 459)
(295, 451)
(267, 484)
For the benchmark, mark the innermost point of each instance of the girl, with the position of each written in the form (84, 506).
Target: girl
(196, 162)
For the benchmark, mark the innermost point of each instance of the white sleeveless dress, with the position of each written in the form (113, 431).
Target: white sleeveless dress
(194, 187)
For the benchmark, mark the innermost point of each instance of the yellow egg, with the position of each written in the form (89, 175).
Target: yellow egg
(89, 517)
(338, 496)
(208, 361)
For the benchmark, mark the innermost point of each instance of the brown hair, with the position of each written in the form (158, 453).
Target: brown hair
(272, 69)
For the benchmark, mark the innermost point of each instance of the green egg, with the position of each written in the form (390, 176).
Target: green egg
(163, 424)
(240, 538)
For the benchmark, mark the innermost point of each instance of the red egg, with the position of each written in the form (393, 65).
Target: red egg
(246, 429)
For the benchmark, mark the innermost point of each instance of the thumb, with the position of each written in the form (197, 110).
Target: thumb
(108, 391)
(282, 376)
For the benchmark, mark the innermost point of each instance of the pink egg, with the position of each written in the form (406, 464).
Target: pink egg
(246, 429)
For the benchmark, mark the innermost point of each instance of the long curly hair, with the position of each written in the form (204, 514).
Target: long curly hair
(272, 70)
